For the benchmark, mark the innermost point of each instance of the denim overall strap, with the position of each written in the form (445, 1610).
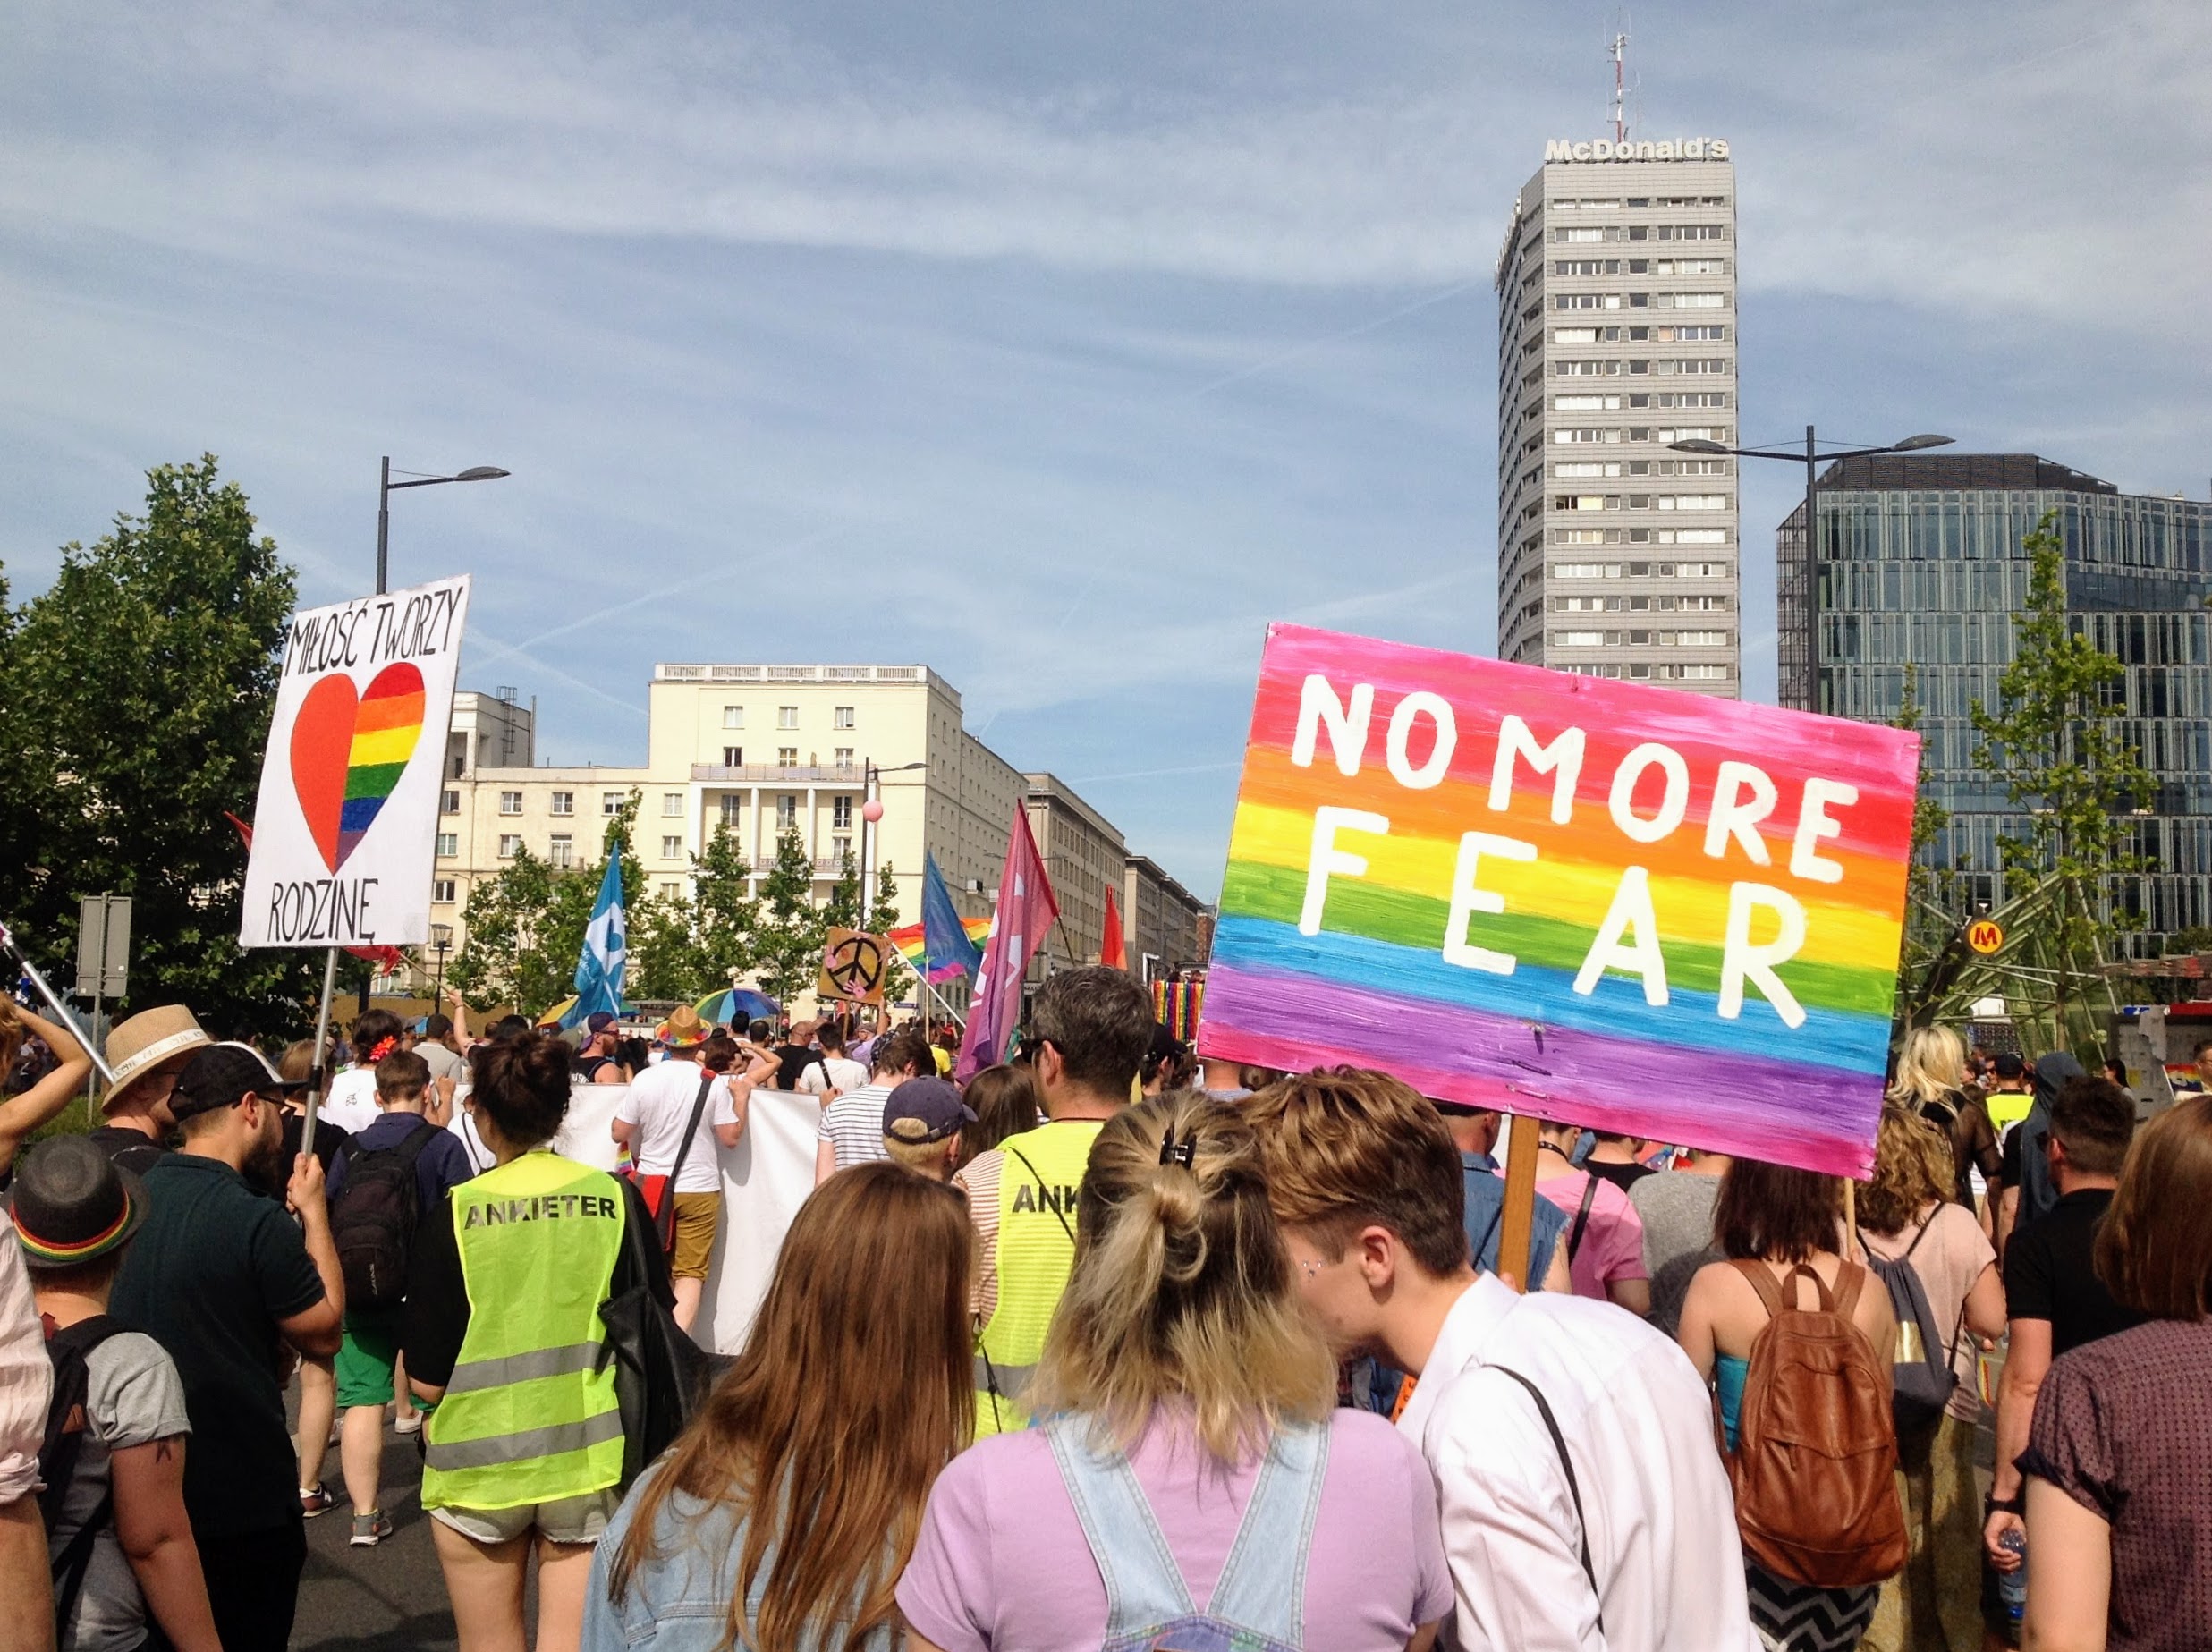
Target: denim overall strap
(1262, 1586)
(1144, 1587)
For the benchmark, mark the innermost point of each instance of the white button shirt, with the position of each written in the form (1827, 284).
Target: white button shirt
(1638, 1426)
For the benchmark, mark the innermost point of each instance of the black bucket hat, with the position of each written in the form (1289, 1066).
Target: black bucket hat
(73, 1204)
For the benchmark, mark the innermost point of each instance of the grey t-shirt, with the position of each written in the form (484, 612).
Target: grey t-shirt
(132, 1396)
(441, 1062)
(1677, 1210)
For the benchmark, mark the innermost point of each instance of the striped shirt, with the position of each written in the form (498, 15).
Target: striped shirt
(978, 1179)
(852, 1125)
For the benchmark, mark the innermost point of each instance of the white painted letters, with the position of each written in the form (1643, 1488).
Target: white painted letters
(1326, 859)
(1631, 914)
(1439, 711)
(1813, 824)
(1672, 805)
(1467, 900)
(1731, 817)
(1562, 760)
(1347, 723)
(1741, 960)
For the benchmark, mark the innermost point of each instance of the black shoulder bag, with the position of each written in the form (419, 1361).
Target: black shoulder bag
(661, 1376)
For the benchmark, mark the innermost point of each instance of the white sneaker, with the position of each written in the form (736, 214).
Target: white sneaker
(408, 1422)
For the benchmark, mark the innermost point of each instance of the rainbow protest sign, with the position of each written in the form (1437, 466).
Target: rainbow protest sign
(1587, 900)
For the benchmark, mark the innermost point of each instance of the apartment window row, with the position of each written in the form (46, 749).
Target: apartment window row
(1662, 671)
(1640, 569)
(1638, 467)
(787, 717)
(1640, 300)
(1591, 203)
(1637, 266)
(1577, 235)
(1698, 333)
(1639, 638)
(1640, 502)
(1641, 604)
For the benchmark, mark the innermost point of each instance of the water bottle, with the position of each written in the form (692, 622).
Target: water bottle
(2012, 1585)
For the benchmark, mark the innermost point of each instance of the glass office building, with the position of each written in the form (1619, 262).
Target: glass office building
(1921, 563)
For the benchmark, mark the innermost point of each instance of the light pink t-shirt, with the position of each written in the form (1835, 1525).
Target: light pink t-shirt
(1613, 1240)
(1953, 1255)
(1002, 1564)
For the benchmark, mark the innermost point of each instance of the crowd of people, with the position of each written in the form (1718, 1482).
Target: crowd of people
(1111, 1345)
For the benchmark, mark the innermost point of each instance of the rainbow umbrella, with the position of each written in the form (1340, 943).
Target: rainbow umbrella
(737, 1005)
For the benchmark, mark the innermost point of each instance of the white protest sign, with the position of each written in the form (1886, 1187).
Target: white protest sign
(345, 829)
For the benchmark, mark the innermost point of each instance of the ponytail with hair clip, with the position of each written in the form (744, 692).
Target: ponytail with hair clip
(1172, 1152)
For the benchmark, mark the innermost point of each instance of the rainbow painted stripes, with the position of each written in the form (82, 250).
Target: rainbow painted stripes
(1636, 965)
(347, 754)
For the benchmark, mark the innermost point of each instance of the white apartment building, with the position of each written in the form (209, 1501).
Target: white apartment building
(759, 748)
(1616, 292)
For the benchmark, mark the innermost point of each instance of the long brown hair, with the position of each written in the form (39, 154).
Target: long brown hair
(1775, 1213)
(2154, 1248)
(1004, 1101)
(1182, 1287)
(852, 1392)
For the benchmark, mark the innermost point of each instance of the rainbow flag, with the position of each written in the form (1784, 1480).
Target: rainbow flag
(908, 939)
(1591, 900)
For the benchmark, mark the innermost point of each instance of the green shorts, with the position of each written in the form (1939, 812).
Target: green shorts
(366, 1356)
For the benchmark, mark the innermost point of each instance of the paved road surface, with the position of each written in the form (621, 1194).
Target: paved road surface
(390, 1598)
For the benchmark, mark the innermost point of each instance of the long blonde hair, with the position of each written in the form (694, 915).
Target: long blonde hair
(852, 1393)
(1913, 1169)
(1182, 1287)
(1932, 1064)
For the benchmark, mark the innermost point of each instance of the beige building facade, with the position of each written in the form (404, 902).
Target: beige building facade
(758, 749)
(1083, 856)
(1160, 920)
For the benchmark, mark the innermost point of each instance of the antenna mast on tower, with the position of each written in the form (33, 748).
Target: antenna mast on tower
(1620, 88)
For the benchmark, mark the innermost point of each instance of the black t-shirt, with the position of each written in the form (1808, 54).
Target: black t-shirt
(790, 1061)
(328, 1139)
(126, 1148)
(215, 1268)
(437, 1295)
(2049, 1273)
(1621, 1176)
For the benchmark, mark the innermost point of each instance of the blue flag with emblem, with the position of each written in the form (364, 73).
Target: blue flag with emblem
(605, 956)
(951, 952)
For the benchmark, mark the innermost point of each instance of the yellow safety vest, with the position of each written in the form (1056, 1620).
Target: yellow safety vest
(2008, 1108)
(1037, 1181)
(529, 1414)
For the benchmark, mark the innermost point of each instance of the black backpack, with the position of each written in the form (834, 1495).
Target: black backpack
(69, 1349)
(372, 1220)
(1921, 1378)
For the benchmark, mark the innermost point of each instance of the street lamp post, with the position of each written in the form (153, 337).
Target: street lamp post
(386, 488)
(441, 943)
(871, 811)
(1812, 458)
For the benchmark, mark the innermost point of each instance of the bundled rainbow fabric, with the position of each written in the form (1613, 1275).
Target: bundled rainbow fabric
(1641, 909)
(908, 939)
(1176, 1005)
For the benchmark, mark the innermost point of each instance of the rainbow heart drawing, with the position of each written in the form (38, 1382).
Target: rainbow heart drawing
(348, 753)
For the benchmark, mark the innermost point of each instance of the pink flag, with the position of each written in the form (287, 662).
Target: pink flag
(1025, 909)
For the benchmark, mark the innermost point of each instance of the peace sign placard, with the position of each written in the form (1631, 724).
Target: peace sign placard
(853, 964)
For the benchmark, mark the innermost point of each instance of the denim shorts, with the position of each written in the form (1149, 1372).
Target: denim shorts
(566, 1519)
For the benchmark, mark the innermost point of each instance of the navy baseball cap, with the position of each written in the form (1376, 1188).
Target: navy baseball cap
(923, 1110)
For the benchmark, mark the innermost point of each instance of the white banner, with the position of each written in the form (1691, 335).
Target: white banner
(346, 828)
(765, 1179)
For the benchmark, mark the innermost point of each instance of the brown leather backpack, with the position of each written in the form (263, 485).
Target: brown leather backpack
(1815, 1464)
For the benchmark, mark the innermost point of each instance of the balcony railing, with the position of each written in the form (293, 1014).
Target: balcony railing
(779, 773)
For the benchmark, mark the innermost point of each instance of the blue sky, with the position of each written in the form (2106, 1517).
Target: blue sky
(1060, 348)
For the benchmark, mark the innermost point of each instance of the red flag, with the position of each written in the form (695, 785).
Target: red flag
(1112, 950)
(1026, 909)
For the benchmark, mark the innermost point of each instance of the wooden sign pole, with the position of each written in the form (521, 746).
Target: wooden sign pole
(1519, 1216)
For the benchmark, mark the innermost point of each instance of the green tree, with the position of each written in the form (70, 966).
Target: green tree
(788, 935)
(526, 926)
(843, 909)
(2058, 735)
(138, 690)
